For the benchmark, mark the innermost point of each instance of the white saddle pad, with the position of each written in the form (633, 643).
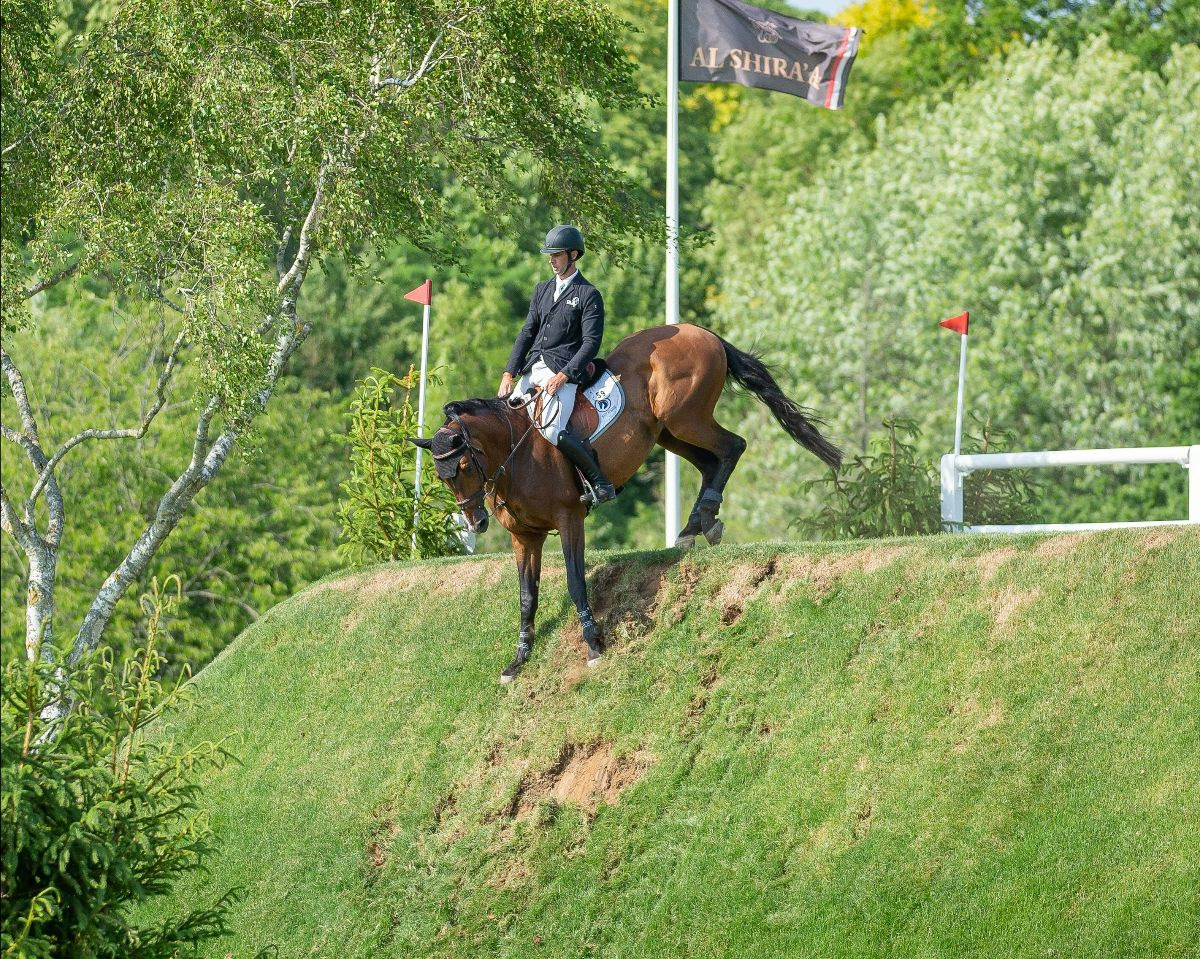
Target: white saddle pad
(608, 398)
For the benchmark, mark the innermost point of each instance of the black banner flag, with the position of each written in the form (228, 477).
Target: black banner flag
(725, 41)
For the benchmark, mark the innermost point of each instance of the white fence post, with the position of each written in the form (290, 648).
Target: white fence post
(1193, 467)
(952, 494)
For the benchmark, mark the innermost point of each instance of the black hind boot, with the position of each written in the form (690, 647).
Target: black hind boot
(599, 489)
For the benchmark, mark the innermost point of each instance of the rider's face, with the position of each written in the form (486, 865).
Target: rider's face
(560, 262)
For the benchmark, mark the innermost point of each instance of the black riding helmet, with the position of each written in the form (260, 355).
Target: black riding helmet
(563, 239)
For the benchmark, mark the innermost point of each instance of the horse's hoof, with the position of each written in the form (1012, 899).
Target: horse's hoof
(594, 656)
(714, 533)
(509, 673)
(685, 542)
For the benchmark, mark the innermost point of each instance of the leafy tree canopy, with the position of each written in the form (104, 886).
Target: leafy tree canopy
(1056, 200)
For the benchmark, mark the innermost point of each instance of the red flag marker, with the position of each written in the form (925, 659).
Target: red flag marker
(422, 294)
(957, 323)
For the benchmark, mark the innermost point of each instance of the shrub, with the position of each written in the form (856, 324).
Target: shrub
(381, 514)
(892, 490)
(98, 817)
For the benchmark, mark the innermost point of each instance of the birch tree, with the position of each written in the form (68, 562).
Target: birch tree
(203, 156)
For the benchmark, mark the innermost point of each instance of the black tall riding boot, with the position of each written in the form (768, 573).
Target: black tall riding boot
(600, 490)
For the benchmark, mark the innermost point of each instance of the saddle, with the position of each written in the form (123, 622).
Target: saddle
(585, 420)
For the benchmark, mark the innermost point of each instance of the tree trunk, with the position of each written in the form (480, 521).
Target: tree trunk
(39, 600)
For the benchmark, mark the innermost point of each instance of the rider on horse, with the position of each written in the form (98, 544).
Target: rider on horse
(561, 336)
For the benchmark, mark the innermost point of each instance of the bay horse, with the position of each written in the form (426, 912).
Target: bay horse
(488, 455)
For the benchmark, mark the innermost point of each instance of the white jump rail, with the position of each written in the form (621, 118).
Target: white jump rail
(955, 468)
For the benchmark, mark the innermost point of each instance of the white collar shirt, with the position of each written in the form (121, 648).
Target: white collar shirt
(561, 283)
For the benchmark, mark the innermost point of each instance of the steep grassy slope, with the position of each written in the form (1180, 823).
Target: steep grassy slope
(941, 747)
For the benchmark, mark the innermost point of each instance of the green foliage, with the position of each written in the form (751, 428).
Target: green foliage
(954, 45)
(98, 817)
(999, 497)
(382, 515)
(204, 156)
(1055, 199)
(182, 139)
(888, 491)
(266, 529)
(893, 489)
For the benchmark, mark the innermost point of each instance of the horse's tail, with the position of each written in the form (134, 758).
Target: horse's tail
(798, 422)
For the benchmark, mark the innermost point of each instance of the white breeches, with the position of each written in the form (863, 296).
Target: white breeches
(556, 409)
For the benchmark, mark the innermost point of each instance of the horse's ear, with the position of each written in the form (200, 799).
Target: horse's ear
(425, 444)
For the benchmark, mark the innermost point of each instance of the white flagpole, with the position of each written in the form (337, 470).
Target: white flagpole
(962, 380)
(420, 420)
(672, 477)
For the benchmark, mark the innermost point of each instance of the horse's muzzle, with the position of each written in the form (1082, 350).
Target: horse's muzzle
(477, 522)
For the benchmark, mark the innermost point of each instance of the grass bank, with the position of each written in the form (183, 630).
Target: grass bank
(943, 747)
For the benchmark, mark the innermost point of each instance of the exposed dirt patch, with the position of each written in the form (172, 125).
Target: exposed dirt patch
(1008, 603)
(743, 582)
(703, 690)
(1158, 538)
(970, 706)
(825, 571)
(688, 580)
(586, 775)
(383, 836)
(512, 873)
(862, 820)
(988, 564)
(568, 657)
(352, 620)
(1059, 545)
(625, 600)
(398, 578)
(450, 580)
(994, 715)
(445, 807)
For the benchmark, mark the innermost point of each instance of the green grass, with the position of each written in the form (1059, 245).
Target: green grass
(951, 747)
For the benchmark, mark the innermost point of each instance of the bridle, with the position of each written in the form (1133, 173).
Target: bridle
(490, 483)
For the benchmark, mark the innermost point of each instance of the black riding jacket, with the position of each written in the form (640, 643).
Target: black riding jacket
(566, 334)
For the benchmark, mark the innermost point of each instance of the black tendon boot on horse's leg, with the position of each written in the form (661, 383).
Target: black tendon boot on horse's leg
(600, 490)
(524, 648)
(591, 636)
(708, 506)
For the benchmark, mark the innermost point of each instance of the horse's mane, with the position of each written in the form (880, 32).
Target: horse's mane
(479, 405)
(446, 442)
